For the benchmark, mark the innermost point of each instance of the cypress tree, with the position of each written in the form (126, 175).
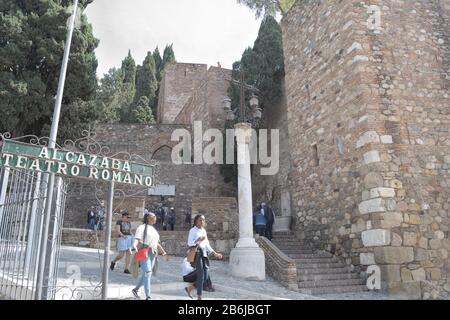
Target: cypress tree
(158, 63)
(129, 69)
(168, 56)
(128, 88)
(142, 112)
(146, 82)
(32, 38)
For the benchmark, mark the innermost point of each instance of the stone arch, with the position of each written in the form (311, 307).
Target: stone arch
(162, 153)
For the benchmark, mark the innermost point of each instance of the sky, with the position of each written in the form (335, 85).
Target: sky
(202, 31)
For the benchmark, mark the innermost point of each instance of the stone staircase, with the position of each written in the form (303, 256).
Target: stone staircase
(318, 272)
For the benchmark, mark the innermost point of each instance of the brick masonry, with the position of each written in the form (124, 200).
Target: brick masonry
(368, 121)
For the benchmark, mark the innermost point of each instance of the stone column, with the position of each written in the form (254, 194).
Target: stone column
(246, 259)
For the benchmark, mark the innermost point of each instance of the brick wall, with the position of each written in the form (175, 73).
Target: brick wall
(369, 136)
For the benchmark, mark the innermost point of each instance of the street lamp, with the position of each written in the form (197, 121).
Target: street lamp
(247, 258)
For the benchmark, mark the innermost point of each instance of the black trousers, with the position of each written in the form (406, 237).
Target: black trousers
(261, 230)
(192, 278)
(269, 231)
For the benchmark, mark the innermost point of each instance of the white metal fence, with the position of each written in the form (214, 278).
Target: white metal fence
(22, 202)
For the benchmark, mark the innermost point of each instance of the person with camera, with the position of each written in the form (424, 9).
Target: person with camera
(198, 241)
(145, 246)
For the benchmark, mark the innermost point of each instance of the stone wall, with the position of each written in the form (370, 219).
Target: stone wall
(368, 122)
(174, 242)
(180, 80)
(274, 189)
(149, 142)
(221, 213)
(206, 101)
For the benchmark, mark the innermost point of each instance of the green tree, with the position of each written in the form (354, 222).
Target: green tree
(128, 88)
(32, 39)
(110, 97)
(142, 112)
(268, 7)
(146, 81)
(158, 63)
(129, 68)
(262, 65)
(168, 56)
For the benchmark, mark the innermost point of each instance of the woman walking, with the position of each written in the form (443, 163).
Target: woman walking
(147, 238)
(198, 239)
(125, 241)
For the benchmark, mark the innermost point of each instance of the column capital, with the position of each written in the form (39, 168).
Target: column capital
(243, 132)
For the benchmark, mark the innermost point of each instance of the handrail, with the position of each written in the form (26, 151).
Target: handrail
(278, 264)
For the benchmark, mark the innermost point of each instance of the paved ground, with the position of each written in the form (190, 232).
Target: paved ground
(80, 273)
(80, 270)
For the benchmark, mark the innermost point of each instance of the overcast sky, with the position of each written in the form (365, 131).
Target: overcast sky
(202, 31)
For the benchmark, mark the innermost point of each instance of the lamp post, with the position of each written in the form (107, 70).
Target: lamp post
(49, 179)
(247, 258)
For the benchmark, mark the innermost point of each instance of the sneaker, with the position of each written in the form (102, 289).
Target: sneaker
(135, 293)
(148, 298)
(113, 264)
(126, 271)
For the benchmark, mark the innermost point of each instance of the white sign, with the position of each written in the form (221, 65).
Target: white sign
(162, 190)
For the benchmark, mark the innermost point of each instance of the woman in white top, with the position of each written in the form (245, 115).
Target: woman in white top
(198, 238)
(147, 237)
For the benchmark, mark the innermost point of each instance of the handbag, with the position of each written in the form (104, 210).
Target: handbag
(191, 254)
(142, 253)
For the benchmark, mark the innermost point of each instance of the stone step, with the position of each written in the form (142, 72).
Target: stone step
(328, 276)
(310, 255)
(291, 245)
(293, 249)
(323, 270)
(315, 260)
(302, 251)
(331, 290)
(318, 265)
(286, 239)
(330, 283)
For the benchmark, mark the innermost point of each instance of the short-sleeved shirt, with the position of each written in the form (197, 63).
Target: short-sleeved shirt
(152, 237)
(125, 227)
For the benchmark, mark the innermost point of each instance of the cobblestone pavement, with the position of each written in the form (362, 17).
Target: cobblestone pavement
(80, 272)
(84, 267)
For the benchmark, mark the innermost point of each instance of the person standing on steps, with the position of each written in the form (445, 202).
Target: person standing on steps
(147, 238)
(198, 240)
(270, 219)
(259, 219)
(125, 241)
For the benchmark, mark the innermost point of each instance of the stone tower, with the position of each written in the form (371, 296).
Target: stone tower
(369, 125)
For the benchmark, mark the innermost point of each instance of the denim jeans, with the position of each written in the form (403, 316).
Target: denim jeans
(202, 273)
(145, 275)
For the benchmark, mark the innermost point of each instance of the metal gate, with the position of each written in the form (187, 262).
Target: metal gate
(22, 203)
(32, 204)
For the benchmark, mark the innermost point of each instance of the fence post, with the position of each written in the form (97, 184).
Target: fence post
(107, 242)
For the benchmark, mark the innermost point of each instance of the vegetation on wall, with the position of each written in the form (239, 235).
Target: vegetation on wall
(262, 66)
